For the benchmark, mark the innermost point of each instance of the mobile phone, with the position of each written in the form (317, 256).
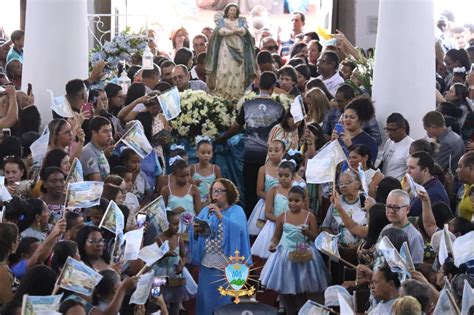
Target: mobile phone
(362, 200)
(87, 110)
(156, 292)
(6, 132)
(141, 219)
(30, 89)
(339, 128)
(156, 286)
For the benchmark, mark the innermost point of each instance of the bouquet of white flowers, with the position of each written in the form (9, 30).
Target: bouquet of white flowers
(202, 115)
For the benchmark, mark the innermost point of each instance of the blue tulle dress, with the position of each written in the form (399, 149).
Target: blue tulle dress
(259, 209)
(261, 244)
(287, 277)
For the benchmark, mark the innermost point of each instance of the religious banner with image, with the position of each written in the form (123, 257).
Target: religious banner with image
(83, 194)
(35, 305)
(136, 140)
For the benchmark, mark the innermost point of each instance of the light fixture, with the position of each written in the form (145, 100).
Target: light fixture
(147, 59)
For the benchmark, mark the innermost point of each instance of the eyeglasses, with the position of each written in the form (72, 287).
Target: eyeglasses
(271, 47)
(391, 129)
(93, 241)
(395, 208)
(218, 191)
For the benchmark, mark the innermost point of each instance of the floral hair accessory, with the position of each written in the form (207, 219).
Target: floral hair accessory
(174, 159)
(176, 147)
(202, 138)
(292, 152)
(459, 70)
(290, 160)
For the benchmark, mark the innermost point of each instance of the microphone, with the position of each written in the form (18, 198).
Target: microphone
(211, 211)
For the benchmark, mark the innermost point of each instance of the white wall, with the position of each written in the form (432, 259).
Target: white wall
(404, 81)
(366, 16)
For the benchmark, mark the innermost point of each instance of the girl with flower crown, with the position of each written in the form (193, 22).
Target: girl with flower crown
(292, 278)
(204, 173)
(267, 178)
(276, 203)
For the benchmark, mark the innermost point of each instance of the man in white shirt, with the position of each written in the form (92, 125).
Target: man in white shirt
(396, 148)
(327, 65)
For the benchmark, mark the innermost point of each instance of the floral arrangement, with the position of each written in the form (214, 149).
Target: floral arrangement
(363, 74)
(283, 99)
(185, 222)
(302, 247)
(202, 115)
(121, 48)
(301, 254)
(187, 218)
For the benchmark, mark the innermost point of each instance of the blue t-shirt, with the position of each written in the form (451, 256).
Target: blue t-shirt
(20, 269)
(435, 190)
(365, 138)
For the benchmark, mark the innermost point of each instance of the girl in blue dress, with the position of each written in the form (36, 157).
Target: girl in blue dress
(179, 192)
(294, 280)
(277, 203)
(204, 173)
(267, 178)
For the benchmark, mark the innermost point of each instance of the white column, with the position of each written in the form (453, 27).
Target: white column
(56, 49)
(404, 73)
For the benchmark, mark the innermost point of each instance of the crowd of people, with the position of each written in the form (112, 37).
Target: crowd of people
(413, 191)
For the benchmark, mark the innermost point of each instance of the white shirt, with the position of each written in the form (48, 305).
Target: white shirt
(382, 308)
(395, 157)
(333, 83)
(194, 75)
